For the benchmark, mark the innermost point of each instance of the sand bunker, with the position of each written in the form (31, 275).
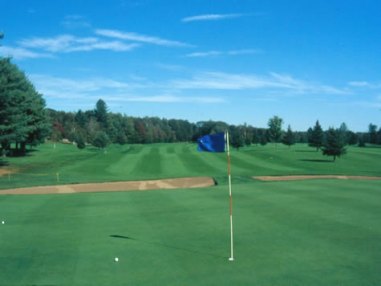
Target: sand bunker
(313, 177)
(7, 171)
(179, 183)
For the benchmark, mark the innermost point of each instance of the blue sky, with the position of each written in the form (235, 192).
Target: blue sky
(237, 61)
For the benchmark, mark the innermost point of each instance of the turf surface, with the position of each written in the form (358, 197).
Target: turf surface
(319, 232)
(289, 233)
(67, 164)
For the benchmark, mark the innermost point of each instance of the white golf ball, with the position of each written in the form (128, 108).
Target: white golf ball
(116, 259)
(2, 222)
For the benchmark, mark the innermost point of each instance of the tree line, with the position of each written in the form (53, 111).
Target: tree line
(25, 120)
(100, 127)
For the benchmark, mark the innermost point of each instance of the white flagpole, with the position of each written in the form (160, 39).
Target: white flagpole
(231, 258)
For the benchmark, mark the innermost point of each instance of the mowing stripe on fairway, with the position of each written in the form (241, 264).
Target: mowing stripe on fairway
(322, 232)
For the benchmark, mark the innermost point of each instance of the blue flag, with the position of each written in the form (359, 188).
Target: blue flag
(212, 143)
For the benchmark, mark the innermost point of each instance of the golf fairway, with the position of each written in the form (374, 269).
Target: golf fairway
(320, 232)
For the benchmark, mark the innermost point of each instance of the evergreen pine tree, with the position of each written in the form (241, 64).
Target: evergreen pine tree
(316, 136)
(334, 144)
(23, 117)
(289, 137)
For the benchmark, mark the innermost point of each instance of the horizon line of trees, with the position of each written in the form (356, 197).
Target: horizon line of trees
(85, 126)
(24, 120)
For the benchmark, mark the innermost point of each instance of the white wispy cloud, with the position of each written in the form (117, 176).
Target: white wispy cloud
(223, 53)
(244, 52)
(130, 36)
(69, 43)
(204, 54)
(372, 104)
(172, 99)
(301, 86)
(58, 87)
(134, 90)
(170, 67)
(21, 53)
(201, 88)
(358, 83)
(210, 17)
(108, 40)
(364, 84)
(271, 82)
(75, 22)
(219, 80)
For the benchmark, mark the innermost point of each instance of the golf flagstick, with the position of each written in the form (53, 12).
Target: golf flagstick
(231, 258)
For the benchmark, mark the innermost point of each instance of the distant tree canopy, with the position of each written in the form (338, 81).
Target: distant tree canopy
(84, 126)
(275, 129)
(101, 140)
(237, 136)
(372, 133)
(289, 137)
(316, 136)
(334, 144)
(100, 112)
(25, 121)
(23, 118)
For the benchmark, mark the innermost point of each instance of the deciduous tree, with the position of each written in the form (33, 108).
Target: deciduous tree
(101, 140)
(372, 133)
(275, 128)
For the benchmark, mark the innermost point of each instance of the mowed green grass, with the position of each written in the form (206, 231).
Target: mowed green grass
(289, 233)
(67, 164)
(318, 232)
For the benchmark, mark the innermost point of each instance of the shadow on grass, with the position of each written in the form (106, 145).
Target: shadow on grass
(166, 246)
(14, 153)
(370, 146)
(317, 160)
(120, 236)
(306, 151)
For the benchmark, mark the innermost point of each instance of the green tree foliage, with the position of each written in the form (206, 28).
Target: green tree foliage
(361, 141)
(101, 140)
(334, 144)
(372, 133)
(344, 133)
(260, 136)
(275, 128)
(237, 136)
(316, 136)
(352, 138)
(263, 140)
(289, 137)
(23, 118)
(101, 111)
(81, 119)
(248, 135)
(123, 129)
(80, 140)
(210, 127)
(378, 140)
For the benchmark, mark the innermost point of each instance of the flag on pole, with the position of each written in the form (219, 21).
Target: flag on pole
(217, 143)
(212, 143)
